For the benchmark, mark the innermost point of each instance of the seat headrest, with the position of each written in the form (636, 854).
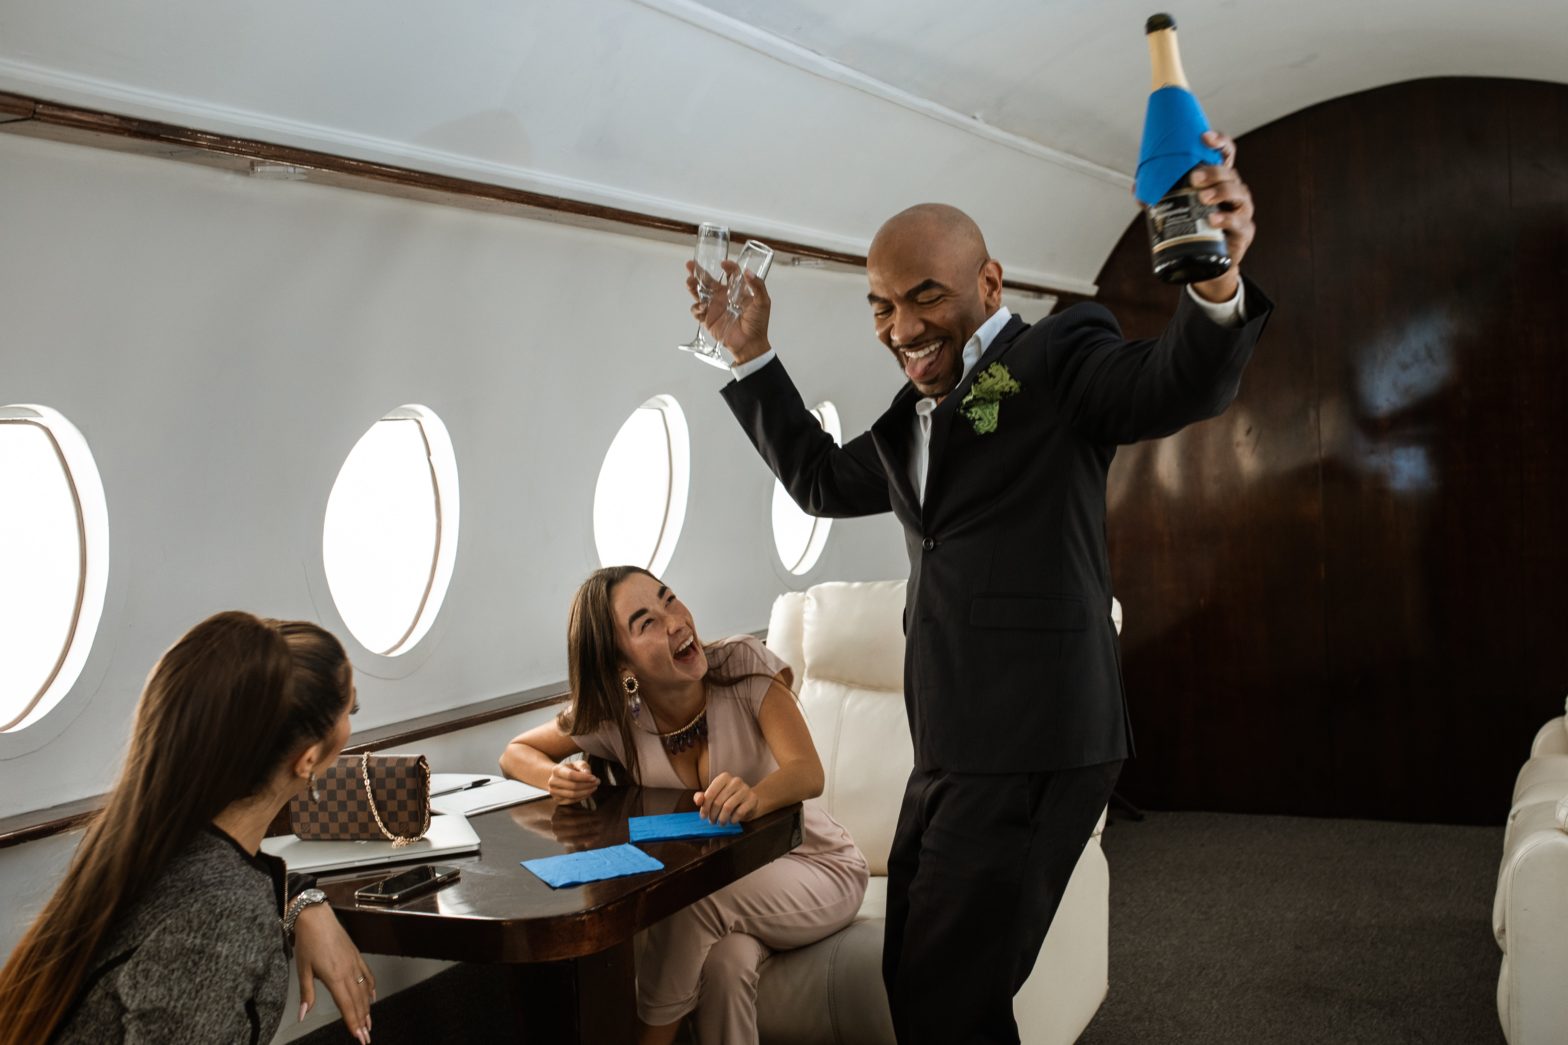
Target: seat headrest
(854, 633)
(784, 625)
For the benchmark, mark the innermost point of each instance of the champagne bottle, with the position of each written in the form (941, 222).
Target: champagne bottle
(1184, 247)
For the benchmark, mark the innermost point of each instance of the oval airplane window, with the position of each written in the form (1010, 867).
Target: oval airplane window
(54, 558)
(797, 537)
(639, 502)
(390, 536)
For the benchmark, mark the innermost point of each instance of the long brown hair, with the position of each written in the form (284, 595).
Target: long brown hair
(593, 664)
(228, 705)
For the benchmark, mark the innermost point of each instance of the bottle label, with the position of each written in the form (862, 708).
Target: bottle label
(1180, 219)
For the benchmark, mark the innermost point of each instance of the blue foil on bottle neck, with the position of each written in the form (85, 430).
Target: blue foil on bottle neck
(1173, 130)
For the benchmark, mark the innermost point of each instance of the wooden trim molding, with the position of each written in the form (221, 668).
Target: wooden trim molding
(71, 816)
(37, 118)
(41, 823)
(30, 827)
(468, 716)
(15, 107)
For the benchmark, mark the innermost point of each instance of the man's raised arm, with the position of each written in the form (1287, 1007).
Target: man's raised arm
(822, 477)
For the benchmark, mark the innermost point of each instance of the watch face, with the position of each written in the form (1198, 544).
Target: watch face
(313, 896)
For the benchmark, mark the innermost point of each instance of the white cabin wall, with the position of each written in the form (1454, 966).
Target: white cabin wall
(30, 873)
(608, 101)
(222, 342)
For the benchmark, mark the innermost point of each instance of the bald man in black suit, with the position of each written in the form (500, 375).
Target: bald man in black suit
(993, 457)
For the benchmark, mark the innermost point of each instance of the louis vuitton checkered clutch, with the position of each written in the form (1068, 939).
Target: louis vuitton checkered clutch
(366, 797)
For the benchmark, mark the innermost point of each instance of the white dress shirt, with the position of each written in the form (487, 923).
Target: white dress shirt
(1225, 313)
(974, 348)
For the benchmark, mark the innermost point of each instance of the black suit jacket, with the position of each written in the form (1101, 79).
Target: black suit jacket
(1012, 663)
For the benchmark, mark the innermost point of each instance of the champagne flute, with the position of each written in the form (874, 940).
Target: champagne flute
(713, 249)
(755, 258)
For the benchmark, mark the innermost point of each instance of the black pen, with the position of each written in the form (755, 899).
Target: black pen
(462, 787)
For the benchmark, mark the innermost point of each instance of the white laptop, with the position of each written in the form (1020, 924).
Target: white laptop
(447, 835)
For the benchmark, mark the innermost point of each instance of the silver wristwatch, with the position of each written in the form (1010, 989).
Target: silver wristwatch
(298, 904)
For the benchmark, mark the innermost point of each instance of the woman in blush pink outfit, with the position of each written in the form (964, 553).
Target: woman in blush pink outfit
(721, 721)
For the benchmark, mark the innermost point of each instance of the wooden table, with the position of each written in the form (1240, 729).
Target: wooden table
(570, 950)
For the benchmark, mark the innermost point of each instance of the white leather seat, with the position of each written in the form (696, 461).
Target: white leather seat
(1543, 778)
(1530, 911)
(845, 643)
(1540, 776)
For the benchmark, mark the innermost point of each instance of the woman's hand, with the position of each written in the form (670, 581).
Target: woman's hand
(728, 800)
(571, 782)
(323, 951)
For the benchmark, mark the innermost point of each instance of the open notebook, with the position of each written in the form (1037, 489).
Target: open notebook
(470, 794)
(447, 834)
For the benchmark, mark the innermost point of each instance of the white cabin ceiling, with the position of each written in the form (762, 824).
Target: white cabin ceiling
(808, 120)
(1073, 75)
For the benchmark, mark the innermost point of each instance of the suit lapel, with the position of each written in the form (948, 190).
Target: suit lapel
(942, 418)
(893, 433)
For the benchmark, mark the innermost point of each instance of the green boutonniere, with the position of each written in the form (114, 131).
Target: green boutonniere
(983, 404)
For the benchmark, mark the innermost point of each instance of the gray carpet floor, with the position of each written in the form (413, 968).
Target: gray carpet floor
(1253, 930)
(1259, 929)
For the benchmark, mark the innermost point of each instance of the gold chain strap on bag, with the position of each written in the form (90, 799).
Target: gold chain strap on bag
(370, 793)
(351, 808)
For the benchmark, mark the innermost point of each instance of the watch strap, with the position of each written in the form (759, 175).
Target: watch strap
(302, 900)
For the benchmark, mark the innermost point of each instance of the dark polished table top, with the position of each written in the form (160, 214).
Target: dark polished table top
(499, 911)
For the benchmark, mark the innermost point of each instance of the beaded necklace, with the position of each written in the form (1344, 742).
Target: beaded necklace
(688, 736)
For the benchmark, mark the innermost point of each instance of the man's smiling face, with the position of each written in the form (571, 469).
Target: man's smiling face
(932, 285)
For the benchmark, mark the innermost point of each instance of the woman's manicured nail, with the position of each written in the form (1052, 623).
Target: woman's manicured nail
(303, 1008)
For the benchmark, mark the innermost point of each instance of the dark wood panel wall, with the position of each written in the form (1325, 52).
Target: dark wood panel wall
(1346, 595)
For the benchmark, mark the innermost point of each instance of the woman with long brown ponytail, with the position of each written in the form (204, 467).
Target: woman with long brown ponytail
(167, 926)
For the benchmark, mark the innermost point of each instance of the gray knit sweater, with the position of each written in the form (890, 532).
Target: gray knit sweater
(200, 959)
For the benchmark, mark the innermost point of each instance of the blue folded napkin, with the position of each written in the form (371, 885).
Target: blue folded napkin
(592, 865)
(1172, 143)
(677, 825)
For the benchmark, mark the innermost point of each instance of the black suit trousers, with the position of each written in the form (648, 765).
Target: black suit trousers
(978, 866)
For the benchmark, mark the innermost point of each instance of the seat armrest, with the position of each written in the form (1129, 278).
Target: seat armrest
(1552, 739)
(1531, 909)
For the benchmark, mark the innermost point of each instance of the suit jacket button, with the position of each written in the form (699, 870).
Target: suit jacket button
(928, 544)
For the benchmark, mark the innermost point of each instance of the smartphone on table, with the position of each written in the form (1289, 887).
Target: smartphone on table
(405, 885)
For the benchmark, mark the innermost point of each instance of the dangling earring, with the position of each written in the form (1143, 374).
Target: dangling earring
(315, 796)
(633, 701)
